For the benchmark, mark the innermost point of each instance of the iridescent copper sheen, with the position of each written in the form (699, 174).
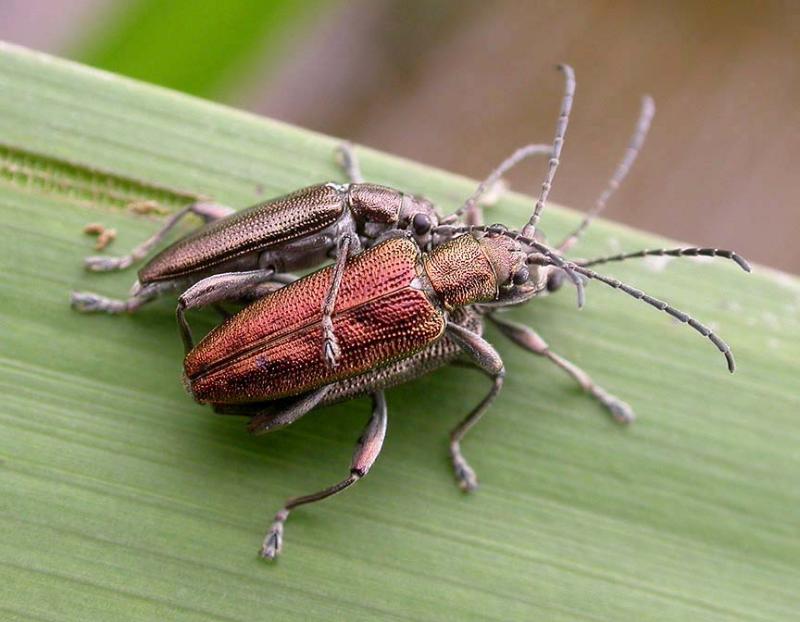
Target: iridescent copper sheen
(374, 203)
(461, 273)
(504, 254)
(434, 356)
(272, 348)
(264, 225)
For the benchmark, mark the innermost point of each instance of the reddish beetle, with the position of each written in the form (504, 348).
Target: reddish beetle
(238, 254)
(399, 314)
(392, 303)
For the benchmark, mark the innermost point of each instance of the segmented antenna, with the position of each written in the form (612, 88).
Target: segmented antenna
(506, 165)
(654, 302)
(514, 235)
(648, 110)
(671, 252)
(561, 129)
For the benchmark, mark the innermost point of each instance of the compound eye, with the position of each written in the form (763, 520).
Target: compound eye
(421, 223)
(521, 276)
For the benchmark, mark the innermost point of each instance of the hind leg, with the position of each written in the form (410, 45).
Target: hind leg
(270, 419)
(367, 449)
(89, 302)
(207, 211)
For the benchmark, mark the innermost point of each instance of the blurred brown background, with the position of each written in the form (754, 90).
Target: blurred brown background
(459, 84)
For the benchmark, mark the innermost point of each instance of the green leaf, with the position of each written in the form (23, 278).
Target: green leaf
(121, 499)
(197, 46)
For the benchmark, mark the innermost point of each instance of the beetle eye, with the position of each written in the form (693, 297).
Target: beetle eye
(421, 223)
(521, 276)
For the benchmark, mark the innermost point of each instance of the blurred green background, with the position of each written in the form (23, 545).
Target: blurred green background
(459, 83)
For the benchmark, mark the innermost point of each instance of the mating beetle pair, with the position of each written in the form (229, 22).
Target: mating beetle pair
(413, 301)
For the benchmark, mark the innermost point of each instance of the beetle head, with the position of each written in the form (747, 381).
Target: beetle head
(516, 280)
(507, 258)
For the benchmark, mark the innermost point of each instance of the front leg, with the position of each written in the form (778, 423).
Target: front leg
(488, 361)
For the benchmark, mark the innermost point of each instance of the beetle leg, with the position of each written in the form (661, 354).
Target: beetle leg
(476, 347)
(493, 184)
(474, 214)
(367, 449)
(346, 158)
(488, 360)
(207, 211)
(530, 340)
(89, 302)
(271, 420)
(331, 346)
(262, 289)
(214, 289)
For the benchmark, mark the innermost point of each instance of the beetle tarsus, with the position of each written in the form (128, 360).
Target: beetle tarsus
(330, 347)
(273, 541)
(465, 474)
(620, 411)
(332, 350)
(87, 302)
(98, 263)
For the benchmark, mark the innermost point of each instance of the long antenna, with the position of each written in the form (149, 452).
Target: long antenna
(653, 302)
(561, 129)
(506, 165)
(646, 114)
(671, 252)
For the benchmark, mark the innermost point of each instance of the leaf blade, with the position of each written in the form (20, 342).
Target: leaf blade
(119, 494)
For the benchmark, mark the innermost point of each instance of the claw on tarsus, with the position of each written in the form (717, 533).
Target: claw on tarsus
(273, 541)
(332, 351)
(106, 264)
(465, 475)
(87, 302)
